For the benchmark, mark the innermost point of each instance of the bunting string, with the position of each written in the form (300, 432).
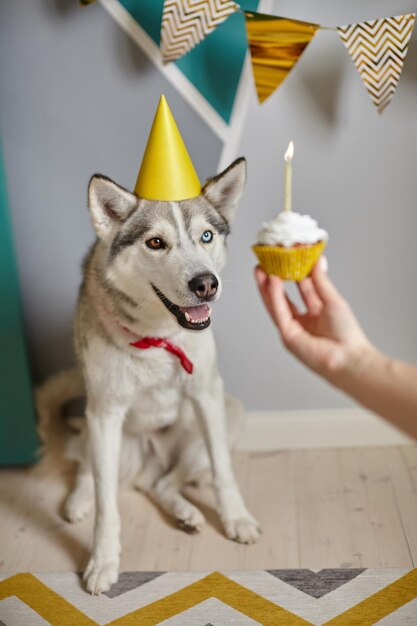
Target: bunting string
(377, 47)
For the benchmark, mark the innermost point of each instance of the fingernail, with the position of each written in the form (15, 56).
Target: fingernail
(324, 264)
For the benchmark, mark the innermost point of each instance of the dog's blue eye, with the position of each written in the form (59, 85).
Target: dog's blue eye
(207, 236)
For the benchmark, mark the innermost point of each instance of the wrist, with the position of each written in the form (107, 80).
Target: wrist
(356, 362)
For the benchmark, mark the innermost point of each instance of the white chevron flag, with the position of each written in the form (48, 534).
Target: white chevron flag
(187, 22)
(378, 49)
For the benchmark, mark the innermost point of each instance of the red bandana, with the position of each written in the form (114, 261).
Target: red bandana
(143, 343)
(157, 342)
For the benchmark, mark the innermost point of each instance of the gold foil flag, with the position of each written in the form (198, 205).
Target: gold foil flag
(187, 22)
(276, 44)
(378, 49)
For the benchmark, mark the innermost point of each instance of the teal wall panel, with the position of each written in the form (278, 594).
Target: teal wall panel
(18, 439)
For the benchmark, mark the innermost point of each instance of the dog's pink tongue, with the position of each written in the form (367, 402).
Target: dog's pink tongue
(196, 313)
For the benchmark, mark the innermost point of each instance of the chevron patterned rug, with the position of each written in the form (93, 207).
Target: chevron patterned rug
(335, 597)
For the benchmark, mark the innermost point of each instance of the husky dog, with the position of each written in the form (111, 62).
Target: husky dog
(142, 324)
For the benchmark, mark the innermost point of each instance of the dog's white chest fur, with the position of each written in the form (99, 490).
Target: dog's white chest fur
(157, 394)
(151, 380)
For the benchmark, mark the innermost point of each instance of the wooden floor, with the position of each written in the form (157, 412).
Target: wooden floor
(318, 508)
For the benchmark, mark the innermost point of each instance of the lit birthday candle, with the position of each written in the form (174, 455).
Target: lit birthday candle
(288, 177)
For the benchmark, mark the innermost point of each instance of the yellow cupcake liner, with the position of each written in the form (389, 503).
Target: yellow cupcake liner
(289, 263)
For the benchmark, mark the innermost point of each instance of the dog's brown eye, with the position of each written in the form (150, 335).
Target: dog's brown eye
(155, 243)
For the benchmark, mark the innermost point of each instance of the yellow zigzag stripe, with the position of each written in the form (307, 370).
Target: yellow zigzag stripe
(59, 612)
(380, 604)
(48, 604)
(213, 586)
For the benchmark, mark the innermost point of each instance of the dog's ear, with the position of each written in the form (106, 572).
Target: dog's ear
(225, 190)
(109, 204)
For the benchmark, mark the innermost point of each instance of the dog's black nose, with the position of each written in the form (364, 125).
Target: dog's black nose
(204, 286)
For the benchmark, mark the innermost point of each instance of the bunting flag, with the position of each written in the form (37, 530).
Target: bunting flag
(276, 44)
(187, 22)
(378, 49)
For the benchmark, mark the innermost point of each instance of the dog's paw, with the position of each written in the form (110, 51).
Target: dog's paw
(100, 575)
(191, 520)
(77, 507)
(243, 529)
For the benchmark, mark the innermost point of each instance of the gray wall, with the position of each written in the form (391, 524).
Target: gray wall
(76, 96)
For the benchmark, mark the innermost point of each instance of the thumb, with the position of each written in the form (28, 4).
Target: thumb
(322, 283)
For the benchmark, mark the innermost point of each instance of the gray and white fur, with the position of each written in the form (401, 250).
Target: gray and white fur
(152, 272)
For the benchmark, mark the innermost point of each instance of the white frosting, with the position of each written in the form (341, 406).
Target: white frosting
(290, 228)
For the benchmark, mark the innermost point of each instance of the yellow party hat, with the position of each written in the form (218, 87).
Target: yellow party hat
(167, 172)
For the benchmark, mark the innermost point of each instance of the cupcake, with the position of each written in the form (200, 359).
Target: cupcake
(290, 245)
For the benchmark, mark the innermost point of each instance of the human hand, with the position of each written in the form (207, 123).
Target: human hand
(327, 337)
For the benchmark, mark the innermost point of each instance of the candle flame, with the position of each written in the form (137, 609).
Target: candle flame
(290, 152)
